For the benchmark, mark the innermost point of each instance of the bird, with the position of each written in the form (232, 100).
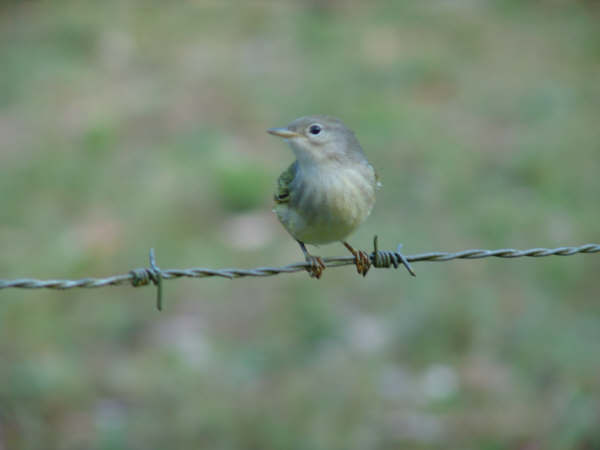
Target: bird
(328, 191)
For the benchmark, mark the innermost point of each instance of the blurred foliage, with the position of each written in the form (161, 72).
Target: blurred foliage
(128, 125)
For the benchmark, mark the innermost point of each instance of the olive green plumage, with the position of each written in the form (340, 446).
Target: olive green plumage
(329, 190)
(282, 195)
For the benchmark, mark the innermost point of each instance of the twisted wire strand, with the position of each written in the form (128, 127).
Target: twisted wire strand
(379, 259)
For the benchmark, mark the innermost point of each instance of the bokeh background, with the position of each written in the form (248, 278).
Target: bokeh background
(128, 124)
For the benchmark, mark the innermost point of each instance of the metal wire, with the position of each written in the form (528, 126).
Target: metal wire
(379, 259)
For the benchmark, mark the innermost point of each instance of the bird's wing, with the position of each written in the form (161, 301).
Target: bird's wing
(282, 194)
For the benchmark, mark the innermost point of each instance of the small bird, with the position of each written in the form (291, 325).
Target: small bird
(328, 191)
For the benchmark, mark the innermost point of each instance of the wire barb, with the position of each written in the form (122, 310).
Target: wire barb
(146, 275)
(386, 258)
(157, 279)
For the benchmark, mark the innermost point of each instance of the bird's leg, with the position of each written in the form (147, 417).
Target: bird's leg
(361, 259)
(317, 266)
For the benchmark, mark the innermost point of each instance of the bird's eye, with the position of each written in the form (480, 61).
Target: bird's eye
(315, 129)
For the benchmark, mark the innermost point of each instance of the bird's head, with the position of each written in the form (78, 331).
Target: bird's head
(321, 139)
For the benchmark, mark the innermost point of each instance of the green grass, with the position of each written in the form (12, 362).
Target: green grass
(125, 126)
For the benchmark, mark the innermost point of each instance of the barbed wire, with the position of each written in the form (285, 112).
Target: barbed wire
(379, 259)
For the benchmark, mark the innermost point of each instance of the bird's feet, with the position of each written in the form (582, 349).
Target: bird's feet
(317, 266)
(361, 259)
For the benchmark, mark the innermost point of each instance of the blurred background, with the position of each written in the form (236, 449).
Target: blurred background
(126, 125)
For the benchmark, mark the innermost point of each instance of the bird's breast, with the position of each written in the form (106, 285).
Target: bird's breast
(328, 204)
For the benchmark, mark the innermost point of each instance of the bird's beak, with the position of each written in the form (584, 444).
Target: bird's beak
(282, 132)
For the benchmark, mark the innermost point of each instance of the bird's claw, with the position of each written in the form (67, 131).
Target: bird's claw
(317, 266)
(362, 260)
